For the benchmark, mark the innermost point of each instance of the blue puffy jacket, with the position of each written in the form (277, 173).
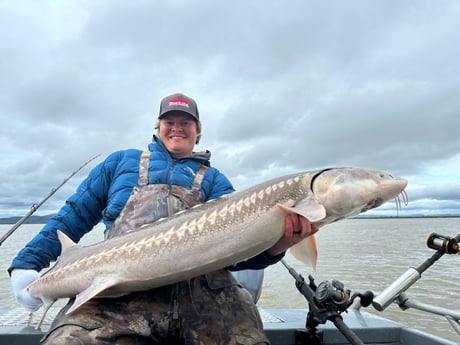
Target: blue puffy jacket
(104, 193)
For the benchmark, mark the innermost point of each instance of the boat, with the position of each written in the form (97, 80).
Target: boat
(282, 326)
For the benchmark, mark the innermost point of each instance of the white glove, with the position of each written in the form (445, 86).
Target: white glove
(20, 279)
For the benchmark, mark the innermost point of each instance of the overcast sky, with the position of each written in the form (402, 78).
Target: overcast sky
(282, 86)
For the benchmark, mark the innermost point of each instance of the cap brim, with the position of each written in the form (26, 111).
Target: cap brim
(178, 111)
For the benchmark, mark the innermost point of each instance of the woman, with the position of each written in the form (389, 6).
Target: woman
(131, 188)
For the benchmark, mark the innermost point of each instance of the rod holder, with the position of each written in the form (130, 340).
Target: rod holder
(384, 299)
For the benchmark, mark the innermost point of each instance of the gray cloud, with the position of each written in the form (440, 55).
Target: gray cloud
(281, 87)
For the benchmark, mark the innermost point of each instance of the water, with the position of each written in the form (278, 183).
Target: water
(364, 254)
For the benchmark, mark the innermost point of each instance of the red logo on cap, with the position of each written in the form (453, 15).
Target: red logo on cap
(179, 101)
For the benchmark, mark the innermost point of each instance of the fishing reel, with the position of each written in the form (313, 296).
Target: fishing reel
(333, 296)
(326, 301)
(444, 244)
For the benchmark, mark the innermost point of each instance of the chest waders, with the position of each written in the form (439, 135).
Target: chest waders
(150, 202)
(210, 309)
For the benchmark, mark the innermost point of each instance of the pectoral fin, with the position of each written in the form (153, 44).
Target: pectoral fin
(98, 286)
(310, 208)
(306, 251)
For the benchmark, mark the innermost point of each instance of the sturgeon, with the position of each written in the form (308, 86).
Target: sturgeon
(213, 235)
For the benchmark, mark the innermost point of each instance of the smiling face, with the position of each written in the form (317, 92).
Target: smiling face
(179, 132)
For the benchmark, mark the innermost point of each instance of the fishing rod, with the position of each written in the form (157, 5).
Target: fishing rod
(36, 206)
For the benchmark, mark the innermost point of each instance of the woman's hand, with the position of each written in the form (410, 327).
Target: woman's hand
(296, 229)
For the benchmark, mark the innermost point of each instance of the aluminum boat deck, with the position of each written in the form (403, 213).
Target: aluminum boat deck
(283, 327)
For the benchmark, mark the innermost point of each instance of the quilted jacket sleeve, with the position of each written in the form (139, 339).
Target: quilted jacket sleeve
(81, 212)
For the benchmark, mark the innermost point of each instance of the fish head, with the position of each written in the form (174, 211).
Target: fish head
(348, 191)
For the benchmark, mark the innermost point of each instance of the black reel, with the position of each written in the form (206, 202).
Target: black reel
(332, 295)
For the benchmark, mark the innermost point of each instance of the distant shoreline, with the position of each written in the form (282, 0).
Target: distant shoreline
(414, 216)
(30, 220)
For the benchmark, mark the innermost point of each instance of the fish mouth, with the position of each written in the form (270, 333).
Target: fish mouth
(400, 199)
(372, 204)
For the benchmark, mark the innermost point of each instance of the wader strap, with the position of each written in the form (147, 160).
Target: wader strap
(144, 168)
(199, 177)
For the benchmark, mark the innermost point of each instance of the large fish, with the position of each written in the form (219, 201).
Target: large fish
(213, 235)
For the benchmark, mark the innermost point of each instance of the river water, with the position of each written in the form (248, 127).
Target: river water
(364, 254)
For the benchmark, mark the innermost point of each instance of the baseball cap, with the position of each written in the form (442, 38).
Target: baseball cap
(179, 102)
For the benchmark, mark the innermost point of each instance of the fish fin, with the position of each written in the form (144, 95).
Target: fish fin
(99, 285)
(306, 251)
(47, 303)
(66, 241)
(310, 208)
